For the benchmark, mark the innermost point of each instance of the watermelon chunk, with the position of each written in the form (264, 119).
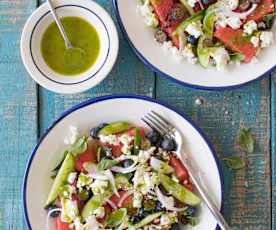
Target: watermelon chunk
(263, 8)
(162, 8)
(236, 41)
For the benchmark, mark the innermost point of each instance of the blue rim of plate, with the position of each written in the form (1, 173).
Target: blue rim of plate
(118, 96)
(87, 78)
(161, 73)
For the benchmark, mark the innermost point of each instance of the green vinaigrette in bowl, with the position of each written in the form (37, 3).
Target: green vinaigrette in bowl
(82, 35)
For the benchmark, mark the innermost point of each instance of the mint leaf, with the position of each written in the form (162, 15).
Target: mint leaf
(246, 140)
(106, 164)
(116, 217)
(234, 162)
(79, 146)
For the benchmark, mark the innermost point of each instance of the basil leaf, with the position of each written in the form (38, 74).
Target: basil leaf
(106, 164)
(80, 146)
(236, 57)
(116, 217)
(246, 140)
(234, 162)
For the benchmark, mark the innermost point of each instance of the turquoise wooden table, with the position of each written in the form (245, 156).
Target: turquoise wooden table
(26, 110)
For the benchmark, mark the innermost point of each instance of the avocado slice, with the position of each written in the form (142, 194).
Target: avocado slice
(93, 203)
(61, 178)
(113, 128)
(148, 219)
(179, 191)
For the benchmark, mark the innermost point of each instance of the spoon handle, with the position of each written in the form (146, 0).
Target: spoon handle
(59, 24)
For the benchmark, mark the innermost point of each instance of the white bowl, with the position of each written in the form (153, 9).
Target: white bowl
(88, 114)
(39, 22)
(141, 39)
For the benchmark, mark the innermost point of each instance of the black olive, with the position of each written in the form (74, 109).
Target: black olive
(154, 137)
(54, 214)
(168, 144)
(127, 163)
(94, 131)
(175, 227)
(160, 36)
(208, 42)
(106, 152)
(159, 206)
(244, 5)
(135, 219)
(191, 211)
(178, 12)
(191, 39)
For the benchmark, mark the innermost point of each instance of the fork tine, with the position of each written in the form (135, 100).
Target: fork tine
(161, 118)
(154, 122)
(152, 126)
(160, 121)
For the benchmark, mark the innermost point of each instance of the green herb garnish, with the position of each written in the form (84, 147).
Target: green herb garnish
(234, 162)
(106, 164)
(246, 140)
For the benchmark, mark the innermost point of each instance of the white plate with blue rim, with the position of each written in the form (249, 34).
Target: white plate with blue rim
(141, 39)
(37, 181)
(32, 35)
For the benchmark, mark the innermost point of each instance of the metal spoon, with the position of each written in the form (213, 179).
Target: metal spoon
(73, 56)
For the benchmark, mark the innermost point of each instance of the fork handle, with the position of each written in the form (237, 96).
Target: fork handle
(205, 196)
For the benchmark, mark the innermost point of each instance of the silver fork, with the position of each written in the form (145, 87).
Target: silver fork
(160, 124)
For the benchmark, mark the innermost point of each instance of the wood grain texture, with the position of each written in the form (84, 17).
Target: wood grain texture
(273, 147)
(128, 76)
(221, 114)
(18, 112)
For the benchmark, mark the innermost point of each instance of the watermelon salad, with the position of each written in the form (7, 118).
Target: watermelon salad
(120, 177)
(211, 32)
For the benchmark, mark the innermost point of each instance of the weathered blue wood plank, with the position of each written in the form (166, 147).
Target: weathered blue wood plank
(273, 147)
(128, 76)
(221, 114)
(18, 117)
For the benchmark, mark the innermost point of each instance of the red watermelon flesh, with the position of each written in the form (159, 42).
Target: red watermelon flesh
(236, 41)
(162, 8)
(263, 8)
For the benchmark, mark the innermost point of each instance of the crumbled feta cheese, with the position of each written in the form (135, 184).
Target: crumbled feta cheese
(166, 46)
(234, 22)
(250, 27)
(233, 4)
(176, 54)
(71, 177)
(148, 182)
(77, 224)
(126, 140)
(146, 11)
(221, 20)
(72, 136)
(221, 58)
(110, 139)
(137, 199)
(83, 180)
(192, 2)
(99, 212)
(92, 223)
(266, 38)
(99, 186)
(195, 29)
(188, 51)
(254, 61)
(144, 155)
(255, 41)
(69, 210)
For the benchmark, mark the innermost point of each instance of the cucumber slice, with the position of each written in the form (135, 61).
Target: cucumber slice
(209, 21)
(187, 6)
(113, 128)
(203, 53)
(93, 203)
(179, 191)
(61, 178)
(148, 219)
(116, 217)
(122, 182)
(183, 25)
